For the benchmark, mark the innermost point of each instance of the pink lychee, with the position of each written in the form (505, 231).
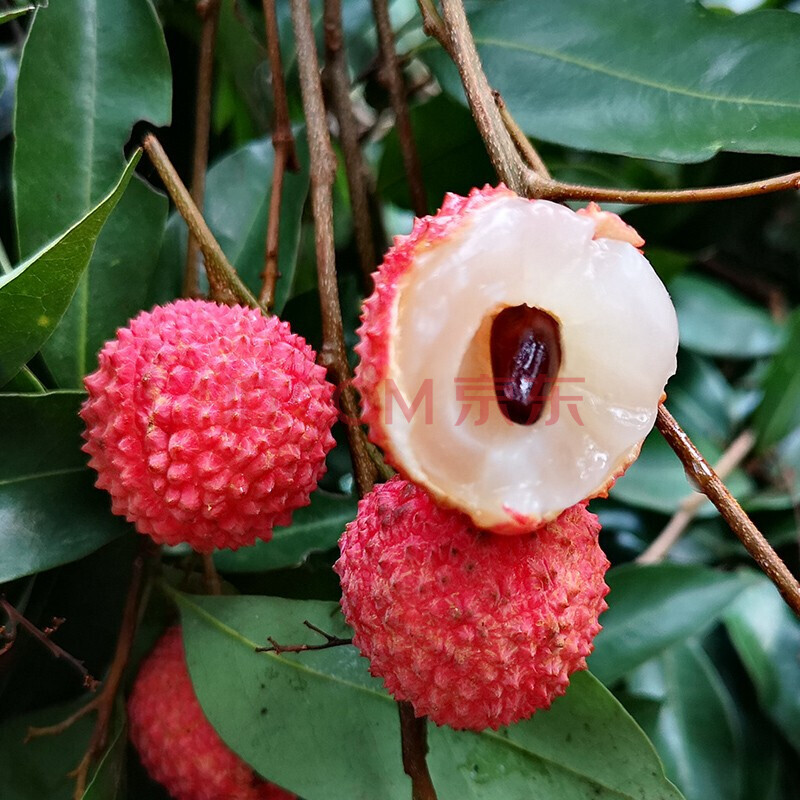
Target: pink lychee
(207, 424)
(177, 745)
(475, 630)
(587, 338)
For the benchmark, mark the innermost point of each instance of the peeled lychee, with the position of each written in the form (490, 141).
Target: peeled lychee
(475, 630)
(208, 424)
(177, 745)
(513, 355)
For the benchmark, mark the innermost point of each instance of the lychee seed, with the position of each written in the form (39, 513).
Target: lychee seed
(513, 355)
(177, 745)
(475, 630)
(207, 424)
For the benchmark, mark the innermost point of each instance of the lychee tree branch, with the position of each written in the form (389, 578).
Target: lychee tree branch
(338, 83)
(105, 700)
(728, 461)
(330, 641)
(323, 168)
(226, 285)
(208, 11)
(712, 486)
(519, 166)
(285, 155)
(391, 76)
(323, 171)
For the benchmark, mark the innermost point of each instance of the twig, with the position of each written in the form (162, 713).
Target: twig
(103, 703)
(285, 156)
(210, 575)
(330, 641)
(712, 486)
(502, 135)
(43, 637)
(226, 285)
(323, 168)
(526, 149)
(338, 83)
(729, 460)
(414, 735)
(208, 11)
(391, 76)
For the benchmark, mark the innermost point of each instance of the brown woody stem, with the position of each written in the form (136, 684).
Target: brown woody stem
(523, 143)
(323, 170)
(712, 487)
(391, 75)
(285, 156)
(414, 742)
(338, 83)
(208, 10)
(226, 285)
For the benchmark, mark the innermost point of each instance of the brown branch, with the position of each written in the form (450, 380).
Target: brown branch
(104, 702)
(43, 637)
(391, 76)
(523, 144)
(338, 83)
(323, 170)
(285, 156)
(226, 285)
(330, 641)
(208, 11)
(712, 486)
(210, 575)
(729, 460)
(414, 738)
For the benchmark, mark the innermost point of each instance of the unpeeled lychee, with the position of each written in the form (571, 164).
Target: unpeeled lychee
(513, 355)
(176, 743)
(475, 630)
(208, 424)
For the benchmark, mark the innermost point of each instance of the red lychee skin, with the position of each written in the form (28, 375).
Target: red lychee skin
(379, 310)
(177, 745)
(475, 630)
(207, 424)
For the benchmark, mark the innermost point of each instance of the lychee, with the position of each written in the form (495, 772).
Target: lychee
(475, 630)
(177, 745)
(514, 354)
(208, 424)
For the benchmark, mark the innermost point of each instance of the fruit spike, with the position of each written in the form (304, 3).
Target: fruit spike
(435, 344)
(474, 630)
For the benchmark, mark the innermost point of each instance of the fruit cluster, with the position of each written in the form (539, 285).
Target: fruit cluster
(210, 425)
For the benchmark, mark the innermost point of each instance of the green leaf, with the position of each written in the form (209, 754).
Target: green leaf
(651, 608)
(585, 746)
(694, 726)
(779, 412)
(586, 75)
(35, 295)
(67, 153)
(50, 512)
(716, 321)
(766, 635)
(81, 89)
(314, 528)
(238, 190)
(13, 13)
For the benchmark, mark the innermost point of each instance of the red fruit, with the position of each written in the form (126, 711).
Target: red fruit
(475, 630)
(177, 745)
(513, 355)
(208, 424)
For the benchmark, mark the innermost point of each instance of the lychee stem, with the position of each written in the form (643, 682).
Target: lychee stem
(712, 486)
(208, 11)
(391, 76)
(226, 285)
(285, 156)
